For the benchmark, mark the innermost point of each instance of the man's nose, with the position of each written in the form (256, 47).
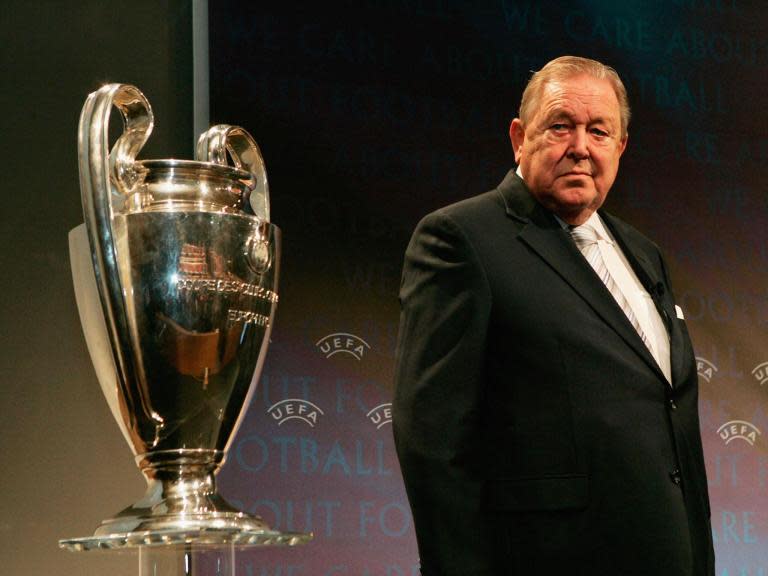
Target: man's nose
(578, 148)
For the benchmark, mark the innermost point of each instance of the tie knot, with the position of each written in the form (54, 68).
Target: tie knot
(583, 235)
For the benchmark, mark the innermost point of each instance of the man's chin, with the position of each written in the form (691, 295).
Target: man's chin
(574, 206)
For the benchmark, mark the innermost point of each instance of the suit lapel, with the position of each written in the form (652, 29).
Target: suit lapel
(652, 278)
(547, 238)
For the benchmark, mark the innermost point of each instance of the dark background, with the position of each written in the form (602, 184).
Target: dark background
(369, 115)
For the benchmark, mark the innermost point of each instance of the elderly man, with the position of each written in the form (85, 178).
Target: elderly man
(545, 409)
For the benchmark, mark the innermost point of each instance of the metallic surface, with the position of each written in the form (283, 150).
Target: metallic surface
(186, 267)
(218, 141)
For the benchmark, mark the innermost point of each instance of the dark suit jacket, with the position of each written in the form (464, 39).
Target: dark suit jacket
(536, 434)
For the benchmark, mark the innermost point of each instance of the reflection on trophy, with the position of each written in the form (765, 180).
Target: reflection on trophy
(176, 276)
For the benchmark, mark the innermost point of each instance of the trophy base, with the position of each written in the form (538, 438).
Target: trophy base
(185, 511)
(209, 536)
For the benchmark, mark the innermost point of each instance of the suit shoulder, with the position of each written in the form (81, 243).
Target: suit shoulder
(458, 230)
(630, 232)
(465, 213)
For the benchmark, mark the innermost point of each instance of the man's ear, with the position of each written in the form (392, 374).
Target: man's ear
(623, 144)
(517, 136)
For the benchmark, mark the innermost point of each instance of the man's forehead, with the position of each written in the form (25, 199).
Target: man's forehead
(581, 91)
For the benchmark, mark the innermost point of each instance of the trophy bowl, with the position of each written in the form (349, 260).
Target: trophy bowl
(175, 273)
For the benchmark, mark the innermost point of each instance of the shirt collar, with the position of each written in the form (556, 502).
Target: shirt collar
(597, 223)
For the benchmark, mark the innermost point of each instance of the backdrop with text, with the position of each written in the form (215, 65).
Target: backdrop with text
(371, 116)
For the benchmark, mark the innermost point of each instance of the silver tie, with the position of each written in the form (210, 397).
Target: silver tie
(585, 237)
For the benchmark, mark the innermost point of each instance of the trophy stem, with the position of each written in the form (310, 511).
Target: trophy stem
(183, 487)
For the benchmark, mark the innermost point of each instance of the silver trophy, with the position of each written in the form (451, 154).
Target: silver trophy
(175, 274)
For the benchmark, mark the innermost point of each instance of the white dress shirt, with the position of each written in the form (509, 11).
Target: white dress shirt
(636, 295)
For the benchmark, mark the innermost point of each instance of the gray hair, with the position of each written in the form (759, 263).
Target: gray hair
(566, 67)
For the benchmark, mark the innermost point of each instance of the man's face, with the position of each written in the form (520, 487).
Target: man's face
(569, 151)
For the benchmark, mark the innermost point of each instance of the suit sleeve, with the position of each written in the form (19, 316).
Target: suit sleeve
(439, 386)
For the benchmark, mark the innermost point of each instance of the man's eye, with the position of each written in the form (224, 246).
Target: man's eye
(559, 127)
(599, 133)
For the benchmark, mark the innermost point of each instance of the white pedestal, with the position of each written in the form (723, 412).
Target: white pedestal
(187, 560)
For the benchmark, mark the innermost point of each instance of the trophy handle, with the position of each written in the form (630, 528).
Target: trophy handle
(94, 326)
(101, 175)
(213, 146)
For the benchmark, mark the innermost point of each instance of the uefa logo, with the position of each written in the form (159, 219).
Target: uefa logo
(760, 372)
(343, 343)
(295, 409)
(739, 430)
(381, 415)
(705, 369)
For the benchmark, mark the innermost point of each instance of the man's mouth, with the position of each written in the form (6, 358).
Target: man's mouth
(575, 173)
